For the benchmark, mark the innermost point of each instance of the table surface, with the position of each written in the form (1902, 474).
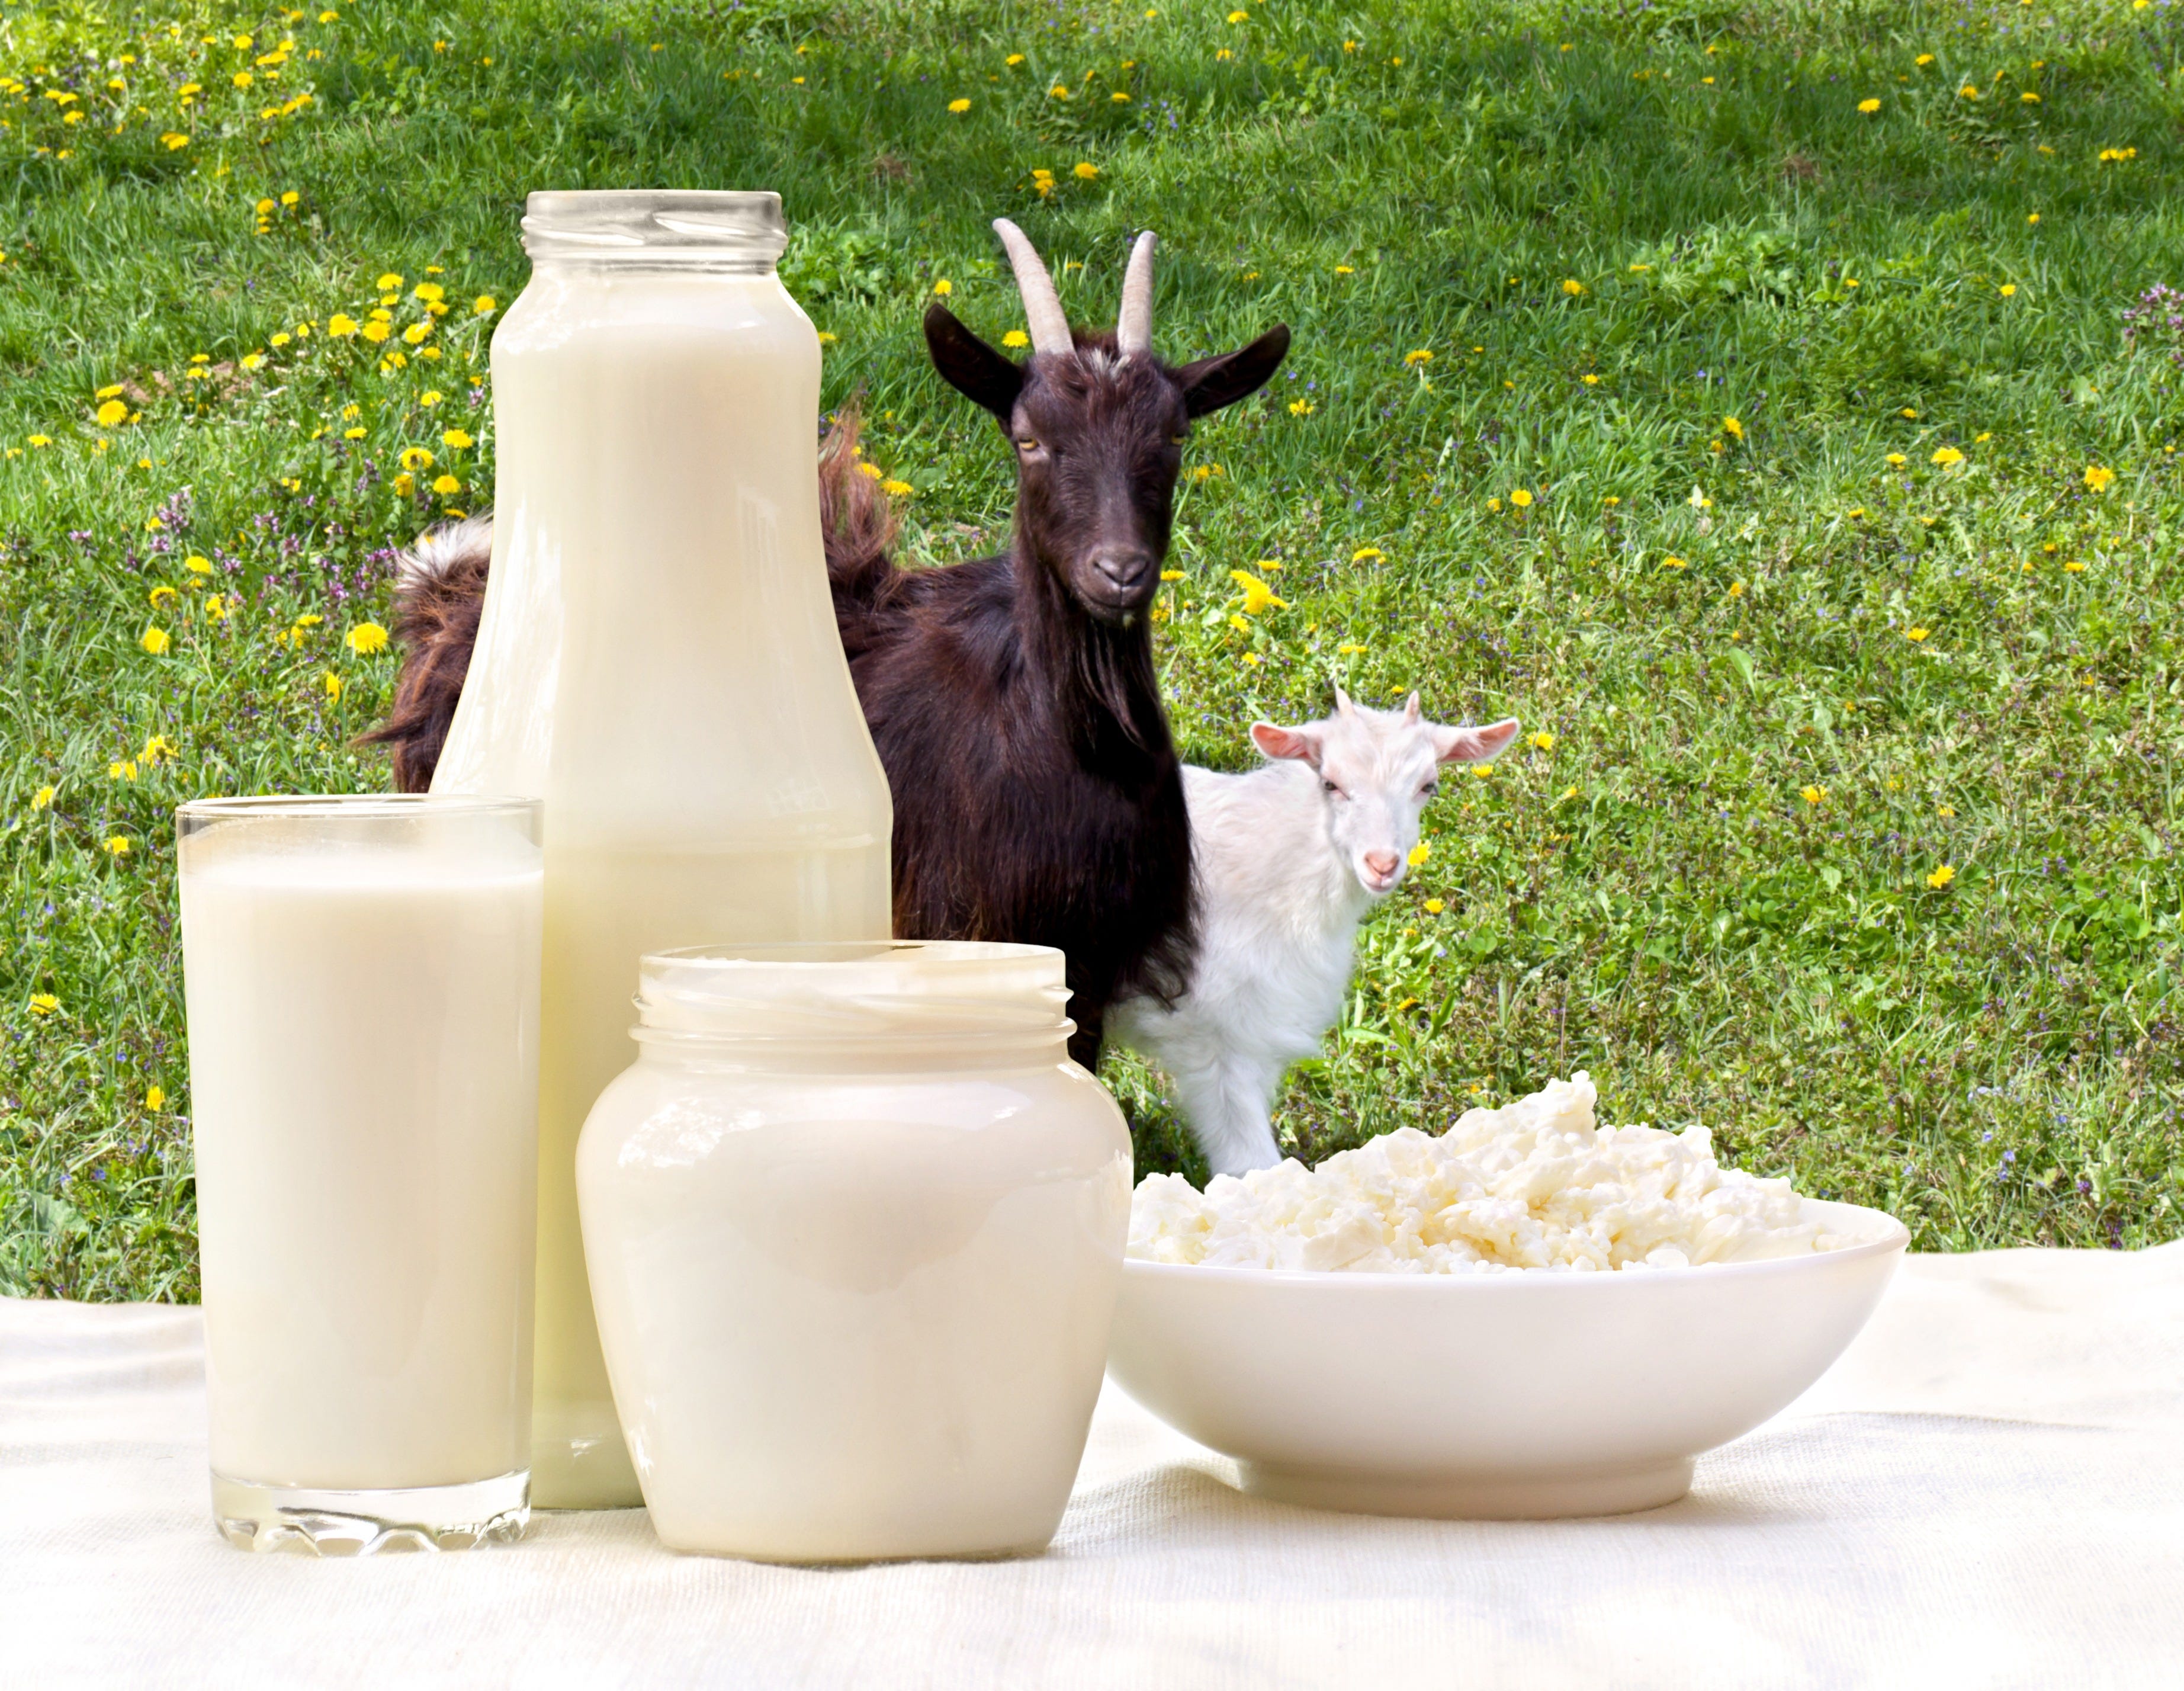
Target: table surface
(1987, 1491)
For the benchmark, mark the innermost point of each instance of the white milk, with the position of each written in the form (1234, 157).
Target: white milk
(657, 659)
(363, 1035)
(855, 1229)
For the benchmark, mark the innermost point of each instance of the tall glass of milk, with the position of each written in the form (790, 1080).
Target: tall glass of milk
(657, 660)
(362, 980)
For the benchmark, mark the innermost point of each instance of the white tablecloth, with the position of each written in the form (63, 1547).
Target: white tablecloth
(1987, 1492)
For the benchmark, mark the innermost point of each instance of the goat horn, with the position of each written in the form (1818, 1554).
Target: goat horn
(1043, 312)
(1133, 328)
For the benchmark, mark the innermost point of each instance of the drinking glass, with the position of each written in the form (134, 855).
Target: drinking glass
(362, 984)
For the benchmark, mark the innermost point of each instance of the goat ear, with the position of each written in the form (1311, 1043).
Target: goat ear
(1301, 743)
(1469, 744)
(969, 366)
(1210, 383)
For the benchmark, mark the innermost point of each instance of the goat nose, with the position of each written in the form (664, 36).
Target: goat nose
(1381, 863)
(1125, 568)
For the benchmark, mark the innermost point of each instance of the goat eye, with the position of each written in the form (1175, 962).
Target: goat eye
(1428, 791)
(1178, 439)
(1027, 446)
(1330, 789)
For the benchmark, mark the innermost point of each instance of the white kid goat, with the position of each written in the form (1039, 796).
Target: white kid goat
(1289, 860)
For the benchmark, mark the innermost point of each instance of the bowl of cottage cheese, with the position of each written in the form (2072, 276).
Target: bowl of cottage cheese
(1532, 1314)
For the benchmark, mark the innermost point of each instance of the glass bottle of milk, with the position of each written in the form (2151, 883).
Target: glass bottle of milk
(657, 659)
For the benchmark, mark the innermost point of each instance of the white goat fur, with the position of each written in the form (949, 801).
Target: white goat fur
(1289, 860)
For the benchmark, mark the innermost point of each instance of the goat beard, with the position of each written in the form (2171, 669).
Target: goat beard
(1115, 668)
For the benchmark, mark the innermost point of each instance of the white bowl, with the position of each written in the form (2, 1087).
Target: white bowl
(1491, 1396)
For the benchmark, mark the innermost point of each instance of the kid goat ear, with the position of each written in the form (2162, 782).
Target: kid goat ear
(1280, 742)
(1472, 744)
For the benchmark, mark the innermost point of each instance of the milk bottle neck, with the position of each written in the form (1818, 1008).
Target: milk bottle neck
(675, 231)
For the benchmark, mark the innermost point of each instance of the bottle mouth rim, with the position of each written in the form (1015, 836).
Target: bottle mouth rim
(656, 226)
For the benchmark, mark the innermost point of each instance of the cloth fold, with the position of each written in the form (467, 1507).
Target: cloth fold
(1987, 1491)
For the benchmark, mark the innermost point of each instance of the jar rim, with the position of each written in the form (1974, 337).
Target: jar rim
(856, 992)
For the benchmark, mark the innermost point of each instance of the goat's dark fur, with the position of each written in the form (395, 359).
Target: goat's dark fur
(1012, 699)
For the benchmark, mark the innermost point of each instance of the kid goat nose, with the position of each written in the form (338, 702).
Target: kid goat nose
(1382, 863)
(1123, 565)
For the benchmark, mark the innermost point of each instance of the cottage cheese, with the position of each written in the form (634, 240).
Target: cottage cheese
(1534, 1186)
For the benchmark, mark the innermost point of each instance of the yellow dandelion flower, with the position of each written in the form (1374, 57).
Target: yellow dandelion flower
(161, 594)
(42, 798)
(43, 1003)
(216, 608)
(1119, 98)
(155, 640)
(943, 288)
(485, 305)
(365, 639)
(1946, 456)
(416, 332)
(2031, 217)
(416, 458)
(443, 485)
(1258, 596)
(1572, 286)
(2098, 478)
(456, 439)
(1239, 624)
(377, 331)
(112, 413)
(2009, 290)
(1494, 505)
(1813, 795)
(1083, 170)
(1482, 771)
(154, 1097)
(1171, 575)
(1520, 497)
(1419, 853)
(1869, 107)
(1730, 426)
(1060, 91)
(1367, 555)
(1898, 460)
(1014, 58)
(959, 106)
(354, 434)
(39, 439)
(173, 141)
(1015, 337)
(1544, 740)
(2076, 567)
(333, 685)
(900, 488)
(1915, 635)
(1300, 408)
(1945, 810)
(116, 846)
(1940, 877)
(1674, 563)
(121, 770)
(341, 326)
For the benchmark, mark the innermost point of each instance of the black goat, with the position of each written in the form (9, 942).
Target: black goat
(1012, 699)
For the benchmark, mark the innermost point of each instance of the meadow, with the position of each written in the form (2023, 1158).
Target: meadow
(1776, 406)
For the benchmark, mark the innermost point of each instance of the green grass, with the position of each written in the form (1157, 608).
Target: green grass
(1706, 622)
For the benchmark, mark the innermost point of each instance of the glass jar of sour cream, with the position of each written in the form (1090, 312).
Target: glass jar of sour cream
(854, 1226)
